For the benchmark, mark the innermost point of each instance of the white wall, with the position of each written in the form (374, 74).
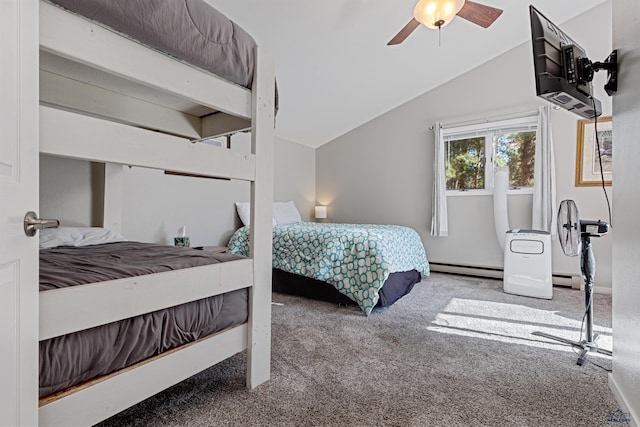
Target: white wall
(156, 205)
(294, 176)
(381, 172)
(66, 196)
(625, 379)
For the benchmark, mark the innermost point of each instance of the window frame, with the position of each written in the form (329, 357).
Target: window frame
(488, 130)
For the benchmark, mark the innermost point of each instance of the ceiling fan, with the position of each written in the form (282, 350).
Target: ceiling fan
(438, 13)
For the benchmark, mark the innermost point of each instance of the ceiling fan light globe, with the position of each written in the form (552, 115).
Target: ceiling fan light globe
(436, 13)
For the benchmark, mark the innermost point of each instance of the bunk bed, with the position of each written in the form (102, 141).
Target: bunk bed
(107, 98)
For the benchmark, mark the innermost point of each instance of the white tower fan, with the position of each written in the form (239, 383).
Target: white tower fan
(527, 253)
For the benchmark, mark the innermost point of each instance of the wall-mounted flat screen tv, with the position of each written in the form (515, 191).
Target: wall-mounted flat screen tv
(560, 64)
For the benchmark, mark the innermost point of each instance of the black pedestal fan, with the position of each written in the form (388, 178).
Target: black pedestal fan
(575, 238)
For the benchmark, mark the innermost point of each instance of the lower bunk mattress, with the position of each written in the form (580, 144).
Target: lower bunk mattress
(72, 359)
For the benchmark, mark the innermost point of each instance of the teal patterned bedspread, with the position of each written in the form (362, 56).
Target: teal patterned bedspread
(355, 258)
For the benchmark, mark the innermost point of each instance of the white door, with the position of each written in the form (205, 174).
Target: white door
(18, 194)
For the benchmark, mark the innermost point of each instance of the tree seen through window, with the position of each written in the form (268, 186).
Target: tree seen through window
(465, 164)
(517, 151)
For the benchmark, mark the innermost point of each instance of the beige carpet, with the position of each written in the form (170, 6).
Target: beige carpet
(457, 351)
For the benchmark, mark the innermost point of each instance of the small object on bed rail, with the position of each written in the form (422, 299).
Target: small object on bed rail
(32, 223)
(214, 140)
(195, 175)
(212, 249)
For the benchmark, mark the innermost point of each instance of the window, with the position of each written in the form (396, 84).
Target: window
(465, 163)
(516, 150)
(473, 152)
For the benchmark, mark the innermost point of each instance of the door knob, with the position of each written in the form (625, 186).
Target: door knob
(32, 223)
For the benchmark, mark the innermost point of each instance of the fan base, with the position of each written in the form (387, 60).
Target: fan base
(585, 346)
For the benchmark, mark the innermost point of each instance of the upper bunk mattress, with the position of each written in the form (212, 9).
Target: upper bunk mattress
(190, 30)
(71, 359)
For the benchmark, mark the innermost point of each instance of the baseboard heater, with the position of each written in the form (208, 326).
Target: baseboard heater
(558, 279)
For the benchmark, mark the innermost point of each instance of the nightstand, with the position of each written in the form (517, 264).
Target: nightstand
(214, 249)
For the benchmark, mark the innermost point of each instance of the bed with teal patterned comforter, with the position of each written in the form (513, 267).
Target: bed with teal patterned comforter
(356, 259)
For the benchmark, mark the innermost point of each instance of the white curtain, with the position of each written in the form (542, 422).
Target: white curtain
(439, 224)
(544, 177)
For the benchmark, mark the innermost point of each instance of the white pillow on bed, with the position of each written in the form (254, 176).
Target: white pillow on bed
(286, 213)
(244, 212)
(77, 236)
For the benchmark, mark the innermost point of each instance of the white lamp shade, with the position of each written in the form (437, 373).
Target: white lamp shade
(321, 212)
(436, 13)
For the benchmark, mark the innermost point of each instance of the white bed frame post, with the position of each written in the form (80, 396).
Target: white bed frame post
(261, 240)
(113, 193)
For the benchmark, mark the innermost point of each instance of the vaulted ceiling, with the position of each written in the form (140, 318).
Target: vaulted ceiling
(336, 72)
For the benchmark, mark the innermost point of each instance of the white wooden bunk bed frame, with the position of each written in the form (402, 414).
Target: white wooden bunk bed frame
(86, 113)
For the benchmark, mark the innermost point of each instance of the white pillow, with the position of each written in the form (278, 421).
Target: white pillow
(77, 236)
(244, 212)
(286, 213)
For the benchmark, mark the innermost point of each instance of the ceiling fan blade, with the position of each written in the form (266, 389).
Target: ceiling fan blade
(479, 14)
(404, 32)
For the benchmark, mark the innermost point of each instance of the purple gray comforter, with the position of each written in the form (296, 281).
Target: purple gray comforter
(190, 30)
(71, 359)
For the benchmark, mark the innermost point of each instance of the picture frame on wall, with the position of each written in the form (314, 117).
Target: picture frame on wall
(587, 159)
